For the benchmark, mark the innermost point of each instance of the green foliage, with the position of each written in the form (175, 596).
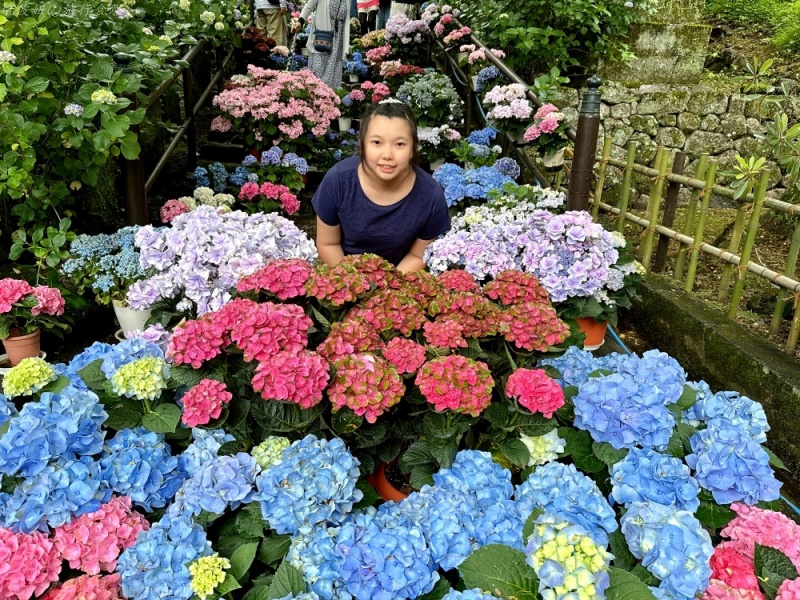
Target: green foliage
(626, 586)
(501, 569)
(773, 567)
(756, 13)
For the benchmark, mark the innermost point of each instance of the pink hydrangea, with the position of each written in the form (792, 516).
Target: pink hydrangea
(171, 209)
(456, 383)
(50, 301)
(733, 568)
(352, 336)
(388, 310)
(367, 384)
(270, 328)
(533, 326)
(445, 333)
(286, 278)
(298, 377)
(221, 124)
(789, 590)
(421, 286)
(11, 291)
(378, 271)
(93, 542)
(376, 55)
(535, 390)
(479, 316)
(88, 587)
(231, 313)
(357, 95)
(515, 287)
(544, 110)
(549, 124)
(195, 342)
(204, 402)
(336, 284)
(29, 563)
(754, 525)
(719, 590)
(532, 133)
(249, 191)
(459, 280)
(406, 355)
(282, 194)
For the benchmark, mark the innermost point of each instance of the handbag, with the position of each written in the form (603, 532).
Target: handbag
(323, 41)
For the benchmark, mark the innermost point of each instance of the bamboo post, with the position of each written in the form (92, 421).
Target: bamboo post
(646, 249)
(711, 175)
(625, 191)
(601, 177)
(749, 242)
(794, 331)
(791, 265)
(671, 204)
(733, 248)
(691, 212)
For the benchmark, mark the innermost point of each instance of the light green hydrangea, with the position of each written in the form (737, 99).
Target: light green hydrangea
(203, 194)
(207, 573)
(28, 377)
(268, 452)
(143, 379)
(544, 448)
(208, 17)
(103, 97)
(184, 5)
(219, 26)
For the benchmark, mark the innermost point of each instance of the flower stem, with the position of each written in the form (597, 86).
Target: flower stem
(147, 407)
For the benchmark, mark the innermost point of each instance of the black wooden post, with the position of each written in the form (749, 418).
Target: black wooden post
(135, 191)
(188, 103)
(669, 212)
(585, 147)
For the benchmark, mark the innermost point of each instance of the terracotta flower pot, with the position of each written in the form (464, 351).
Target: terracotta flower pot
(595, 332)
(386, 490)
(19, 347)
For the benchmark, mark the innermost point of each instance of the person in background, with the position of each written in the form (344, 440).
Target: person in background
(327, 65)
(380, 201)
(384, 10)
(409, 9)
(271, 19)
(368, 15)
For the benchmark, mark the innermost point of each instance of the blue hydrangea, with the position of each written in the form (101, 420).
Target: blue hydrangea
(574, 365)
(221, 483)
(204, 447)
(734, 468)
(7, 410)
(138, 463)
(290, 159)
(483, 136)
(249, 160)
(201, 177)
(508, 166)
(272, 156)
(385, 557)
(337, 155)
(63, 490)
(736, 410)
(624, 412)
(486, 75)
(566, 492)
(671, 544)
(314, 554)
(240, 174)
(703, 390)
(302, 596)
(297, 62)
(156, 566)
(474, 594)
(128, 351)
(500, 523)
(647, 475)
(347, 100)
(64, 425)
(219, 176)
(314, 483)
(475, 472)
(659, 370)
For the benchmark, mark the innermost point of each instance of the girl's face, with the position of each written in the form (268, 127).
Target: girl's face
(388, 149)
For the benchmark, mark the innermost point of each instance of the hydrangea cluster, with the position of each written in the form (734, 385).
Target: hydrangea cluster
(646, 475)
(270, 328)
(390, 309)
(533, 326)
(285, 278)
(204, 402)
(404, 31)
(352, 336)
(458, 280)
(298, 377)
(204, 253)
(460, 183)
(367, 384)
(204, 447)
(543, 448)
(515, 287)
(87, 587)
(207, 573)
(93, 542)
(671, 544)
(574, 366)
(142, 379)
(197, 341)
(445, 333)
(737, 411)
(137, 463)
(535, 390)
(456, 383)
(28, 377)
(156, 566)
(474, 594)
(569, 494)
(404, 354)
(269, 452)
(568, 562)
(29, 563)
(478, 315)
(474, 472)
(337, 284)
(313, 484)
(509, 105)
(126, 352)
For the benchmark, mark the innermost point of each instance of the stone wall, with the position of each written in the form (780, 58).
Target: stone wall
(695, 119)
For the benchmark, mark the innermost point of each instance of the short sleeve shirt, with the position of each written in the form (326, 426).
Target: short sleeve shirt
(388, 231)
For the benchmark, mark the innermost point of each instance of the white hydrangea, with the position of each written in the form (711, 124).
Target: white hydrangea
(208, 17)
(204, 194)
(544, 448)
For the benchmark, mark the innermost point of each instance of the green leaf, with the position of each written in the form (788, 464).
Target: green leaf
(579, 446)
(345, 420)
(416, 454)
(36, 85)
(228, 585)
(258, 592)
(619, 548)
(774, 460)
(249, 521)
(438, 592)
(646, 576)
(626, 586)
(242, 558)
(130, 146)
(527, 529)
(163, 419)
(608, 454)
(502, 570)
(92, 376)
(187, 376)
(288, 580)
(57, 385)
(274, 548)
(773, 567)
(515, 451)
(422, 475)
(688, 398)
(679, 445)
(123, 415)
(102, 69)
(713, 515)
(370, 495)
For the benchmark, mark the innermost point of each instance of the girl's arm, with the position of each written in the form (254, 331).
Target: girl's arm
(329, 243)
(412, 261)
(310, 7)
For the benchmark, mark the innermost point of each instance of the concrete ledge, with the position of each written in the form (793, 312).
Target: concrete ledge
(725, 355)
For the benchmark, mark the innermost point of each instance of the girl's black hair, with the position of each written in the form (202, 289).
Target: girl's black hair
(392, 110)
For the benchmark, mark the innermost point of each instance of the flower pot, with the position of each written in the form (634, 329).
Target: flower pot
(386, 490)
(353, 77)
(130, 319)
(344, 123)
(461, 57)
(519, 138)
(304, 52)
(554, 158)
(435, 164)
(5, 362)
(22, 346)
(595, 332)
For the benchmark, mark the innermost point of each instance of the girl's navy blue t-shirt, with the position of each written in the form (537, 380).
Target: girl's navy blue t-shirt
(388, 231)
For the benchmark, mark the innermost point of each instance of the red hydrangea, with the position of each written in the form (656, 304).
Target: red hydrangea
(535, 390)
(249, 191)
(29, 563)
(456, 383)
(378, 271)
(270, 328)
(93, 542)
(337, 284)
(204, 402)
(51, 302)
(285, 278)
(445, 333)
(388, 310)
(295, 377)
(733, 568)
(515, 287)
(367, 384)
(421, 286)
(477, 314)
(195, 342)
(352, 336)
(533, 326)
(88, 587)
(406, 355)
(458, 280)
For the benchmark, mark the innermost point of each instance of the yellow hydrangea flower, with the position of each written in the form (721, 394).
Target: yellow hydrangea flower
(28, 377)
(207, 573)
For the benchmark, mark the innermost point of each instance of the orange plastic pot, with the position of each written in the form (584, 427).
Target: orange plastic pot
(595, 332)
(386, 490)
(19, 347)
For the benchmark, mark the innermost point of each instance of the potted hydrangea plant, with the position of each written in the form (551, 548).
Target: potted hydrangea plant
(355, 67)
(24, 311)
(510, 109)
(432, 98)
(548, 132)
(437, 142)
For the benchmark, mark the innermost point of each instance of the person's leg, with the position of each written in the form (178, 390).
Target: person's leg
(353, 9)
(372, 17)
(362, 22)
(262, 22)
(276, 26)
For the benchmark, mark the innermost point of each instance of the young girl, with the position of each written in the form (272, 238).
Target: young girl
(381, 202)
